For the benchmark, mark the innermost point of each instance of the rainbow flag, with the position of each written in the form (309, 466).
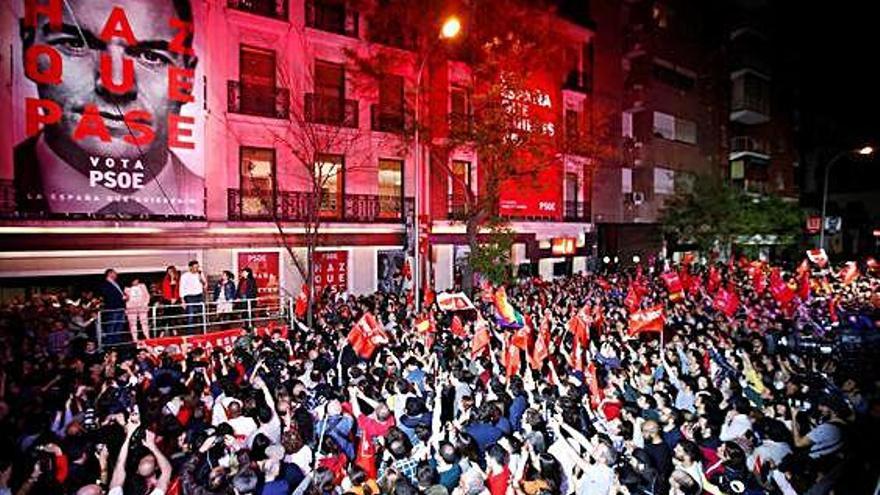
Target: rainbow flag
(505, 314)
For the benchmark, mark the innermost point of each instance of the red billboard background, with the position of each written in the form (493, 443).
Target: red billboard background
(331, 270)
(266, 267)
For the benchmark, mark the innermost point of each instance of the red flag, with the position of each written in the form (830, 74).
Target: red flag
(759, 282)
(523, 336)
(542, 347)
(714, 279)
(632, 299)
(673, 285)
(596, 394)
(302, 301)
(511, 359)
(849, 273)
(603, 284)
(481, 337)
(780, 290)
(647, 320)
(367, 335)
(688, 259)
(804, 285)
(726, 301)
(832, 309)
(598, 317)
(576, 358)
(578, 327)
(457, 328)
(803, 267)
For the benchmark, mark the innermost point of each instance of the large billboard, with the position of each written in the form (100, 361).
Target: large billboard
(331, 270)
(266, 266)
(107, 107)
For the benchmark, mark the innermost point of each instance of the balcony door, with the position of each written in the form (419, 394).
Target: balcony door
(460, 182)
(391, 102)
(257, 79)
(571, 194)
(329, 177)
(390, 188)
(257, 182)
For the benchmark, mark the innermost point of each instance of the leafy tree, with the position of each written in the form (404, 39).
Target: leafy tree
(712, 214)
(492, 256)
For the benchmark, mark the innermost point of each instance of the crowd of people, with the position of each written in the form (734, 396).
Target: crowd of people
(738, 398)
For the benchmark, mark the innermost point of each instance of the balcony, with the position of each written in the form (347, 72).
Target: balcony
(750, 98)
(295, 206)
(461, 125)
(274, 9)
(333, 111)
(332, 16)
(578, 81)
(743, 146)
(396, 121)
(259, 101)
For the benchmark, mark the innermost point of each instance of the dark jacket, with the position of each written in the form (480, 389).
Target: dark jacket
(228, 290)
(112, 295)
(247, 288)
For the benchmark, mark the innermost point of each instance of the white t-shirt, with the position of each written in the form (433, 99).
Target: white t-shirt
(191, 284)
(597, 480)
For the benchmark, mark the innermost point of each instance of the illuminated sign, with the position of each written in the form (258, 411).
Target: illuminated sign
(106, 99)
(563, 246)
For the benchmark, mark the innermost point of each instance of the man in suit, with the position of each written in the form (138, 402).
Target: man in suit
(113, 312)
(57, 171)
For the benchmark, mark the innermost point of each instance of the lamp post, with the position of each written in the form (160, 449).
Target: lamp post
(864, 151)
(450, 29)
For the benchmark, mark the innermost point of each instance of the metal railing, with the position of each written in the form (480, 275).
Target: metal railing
(575, 211)
(390, 120)
(749, 144)
(296, 206)
(116, 327)
(275, 9)
(258, 100)
(330, 110)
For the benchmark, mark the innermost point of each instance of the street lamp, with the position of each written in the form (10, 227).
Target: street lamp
(864, 151)
(450, 29)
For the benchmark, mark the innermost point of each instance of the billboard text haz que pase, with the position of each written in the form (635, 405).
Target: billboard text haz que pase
(106, 99)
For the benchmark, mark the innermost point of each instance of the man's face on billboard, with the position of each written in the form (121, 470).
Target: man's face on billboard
(79, 45)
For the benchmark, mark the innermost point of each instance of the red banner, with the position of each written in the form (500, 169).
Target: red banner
(266, 267)
(212, 340)
(331, 270)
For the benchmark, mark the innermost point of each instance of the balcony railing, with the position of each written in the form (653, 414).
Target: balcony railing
(578, 81)
(257, 100)
(329, 110)
(740, 144)
(461, 125)
(295, 206)
(332, 16)
(456, 207)
(397, 121)
(275, 9)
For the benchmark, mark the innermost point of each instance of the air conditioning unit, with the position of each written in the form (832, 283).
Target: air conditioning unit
(638, 198)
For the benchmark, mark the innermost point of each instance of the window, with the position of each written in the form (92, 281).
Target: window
(664, 181)
(626, 125)
(572, 126)
(390, 188)
(626, 180)
(257, 182)
(674, 128)
(332, 16)
(571, 195)
(389, 116)
(459, 110)
(460, 183)
(329, 177)
(329, 102)
(257, 78)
